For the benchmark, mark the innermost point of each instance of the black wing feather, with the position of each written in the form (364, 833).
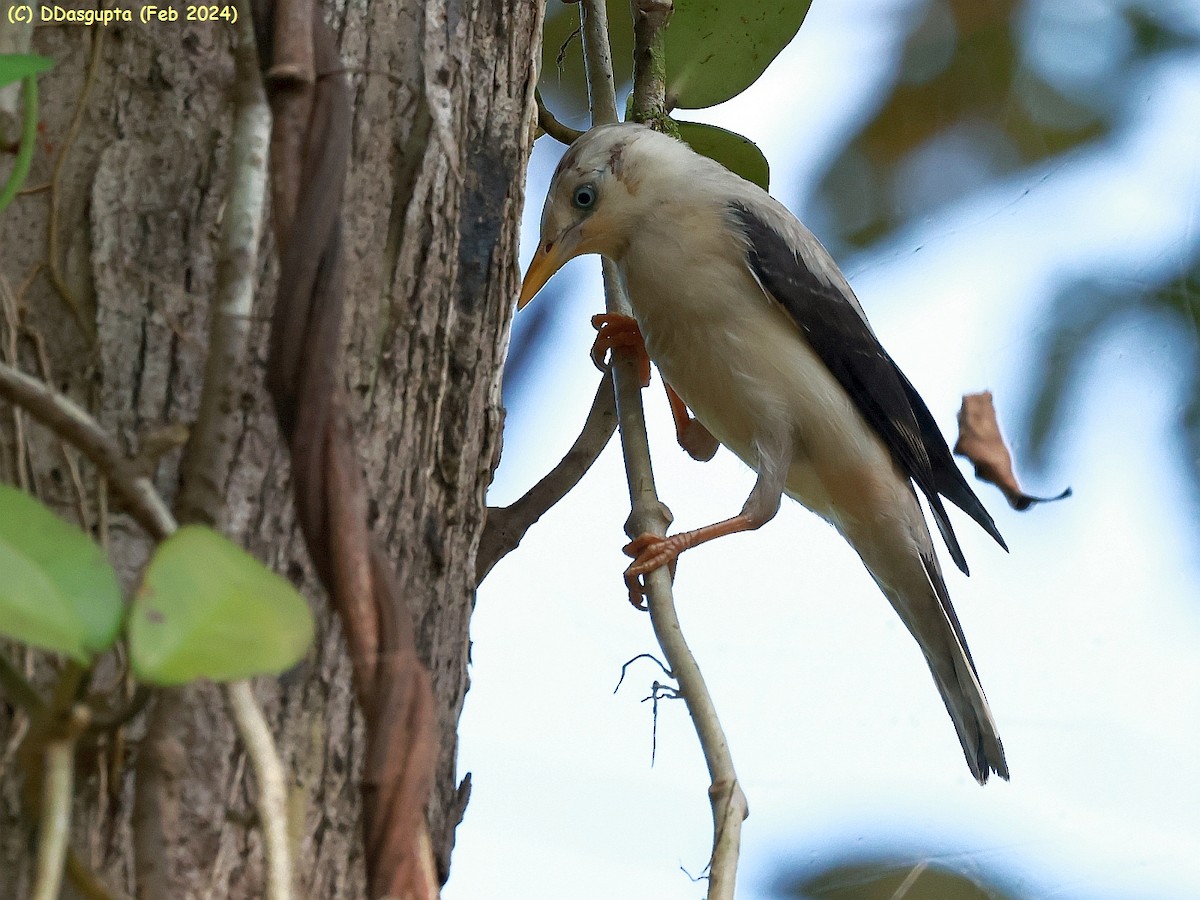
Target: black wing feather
(854, 356)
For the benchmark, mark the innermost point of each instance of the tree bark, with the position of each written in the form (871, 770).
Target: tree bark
(443, 119)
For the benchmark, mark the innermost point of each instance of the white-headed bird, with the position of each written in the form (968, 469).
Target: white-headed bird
(755, 329)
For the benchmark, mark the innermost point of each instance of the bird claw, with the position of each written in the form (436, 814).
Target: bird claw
(649, 552)
(614, 331)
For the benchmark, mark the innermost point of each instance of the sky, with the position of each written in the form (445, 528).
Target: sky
(1085, 635)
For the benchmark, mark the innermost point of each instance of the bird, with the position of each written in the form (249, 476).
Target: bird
(756, 331)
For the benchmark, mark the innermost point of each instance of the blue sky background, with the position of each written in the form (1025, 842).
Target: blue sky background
(1086, 635)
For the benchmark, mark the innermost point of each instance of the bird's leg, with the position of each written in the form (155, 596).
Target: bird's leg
(614, 330)
(692, 436)
(650, 552)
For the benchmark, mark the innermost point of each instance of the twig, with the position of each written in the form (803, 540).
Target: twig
(650, 656)
(75, 425)
(597, 62)
(648, 514)
(58, 778)
(564, 134)
(506, 526)
(272, 787)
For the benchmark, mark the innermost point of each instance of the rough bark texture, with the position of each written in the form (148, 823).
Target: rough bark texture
(442, 130)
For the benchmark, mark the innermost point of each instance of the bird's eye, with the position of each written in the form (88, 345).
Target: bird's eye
(585, 197)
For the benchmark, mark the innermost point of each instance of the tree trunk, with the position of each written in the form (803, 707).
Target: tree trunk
(106, 278)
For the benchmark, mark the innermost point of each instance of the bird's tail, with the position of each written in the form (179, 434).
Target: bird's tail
(957, 680)
(892, 539)
(918, 593)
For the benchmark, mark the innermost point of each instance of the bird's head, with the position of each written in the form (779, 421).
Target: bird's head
(593, 204)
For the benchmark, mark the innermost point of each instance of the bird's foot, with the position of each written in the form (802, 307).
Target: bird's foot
(614, 331)
(649, 552)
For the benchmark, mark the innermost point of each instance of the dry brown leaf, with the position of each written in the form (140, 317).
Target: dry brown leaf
(980, 441)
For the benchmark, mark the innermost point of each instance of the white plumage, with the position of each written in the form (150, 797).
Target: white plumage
(750, 321)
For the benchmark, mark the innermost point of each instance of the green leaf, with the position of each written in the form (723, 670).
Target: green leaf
(57, 591)
(15, 66)
(208, 609)
(717, 48)
(736, 153)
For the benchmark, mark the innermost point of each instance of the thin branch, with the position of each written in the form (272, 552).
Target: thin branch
(57, 779)
(506, 526)
(272, 787)
(650, 656)
(564, 134)
(76, 426)
(597, 62)
(648, 514)
(54, 829)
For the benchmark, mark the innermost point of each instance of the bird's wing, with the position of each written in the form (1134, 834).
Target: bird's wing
(841, 337)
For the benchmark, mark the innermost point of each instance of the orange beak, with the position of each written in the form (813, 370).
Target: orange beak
(544, 264)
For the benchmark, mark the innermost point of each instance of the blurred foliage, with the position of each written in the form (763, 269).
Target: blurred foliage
(887, 879)
(58, 592)
(965, 108)
(982, 90)
(208, 609)
(1083, 314)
